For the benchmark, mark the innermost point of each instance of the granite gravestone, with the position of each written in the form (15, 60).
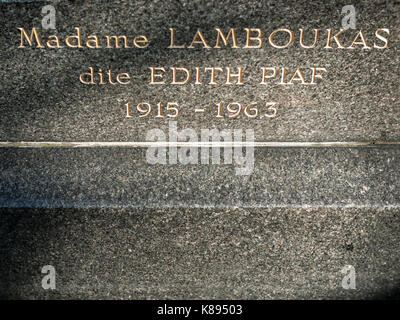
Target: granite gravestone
(108, 111)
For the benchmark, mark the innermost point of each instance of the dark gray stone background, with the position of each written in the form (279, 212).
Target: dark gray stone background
(43, 100)
(121, 177)
(200, 253)
(116, 227)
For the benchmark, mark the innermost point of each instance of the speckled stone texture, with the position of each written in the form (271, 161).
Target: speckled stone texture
(122, 177)
(43, 100)
(116, 227)
(200, 253)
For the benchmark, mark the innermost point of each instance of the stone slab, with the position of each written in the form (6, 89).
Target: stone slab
(96, 177)
(115, 226)
(198, 253)
(41, 98)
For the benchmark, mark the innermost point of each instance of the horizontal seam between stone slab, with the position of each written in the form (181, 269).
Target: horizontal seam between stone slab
(149, 144)
(77, 205)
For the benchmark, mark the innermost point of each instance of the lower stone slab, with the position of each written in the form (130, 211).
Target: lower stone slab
(142, 253)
